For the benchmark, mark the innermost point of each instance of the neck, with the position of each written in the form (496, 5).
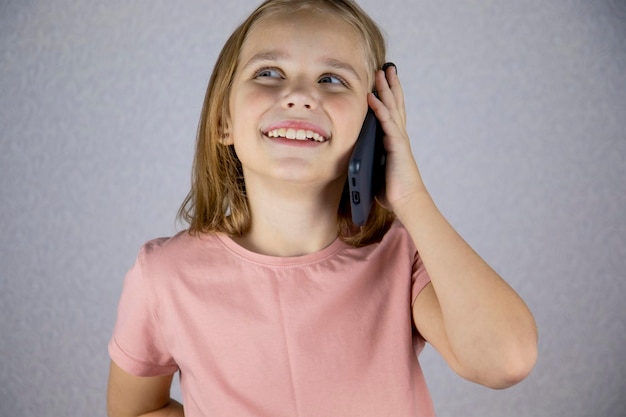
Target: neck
(291, 220)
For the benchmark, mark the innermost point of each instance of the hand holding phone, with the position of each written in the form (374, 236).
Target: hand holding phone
(366, 171)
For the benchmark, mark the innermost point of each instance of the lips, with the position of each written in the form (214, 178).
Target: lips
(299, 134)
(297, 131)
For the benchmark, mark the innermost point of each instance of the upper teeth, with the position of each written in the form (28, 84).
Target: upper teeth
(297, 134)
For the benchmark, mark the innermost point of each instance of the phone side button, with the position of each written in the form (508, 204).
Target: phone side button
(356, 197)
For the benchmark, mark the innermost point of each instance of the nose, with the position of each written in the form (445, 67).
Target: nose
(300, 96)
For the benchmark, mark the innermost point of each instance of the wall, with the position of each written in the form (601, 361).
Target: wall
(517, 117)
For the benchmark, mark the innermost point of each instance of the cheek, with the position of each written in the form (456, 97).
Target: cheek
(353, 121)
(248, 106)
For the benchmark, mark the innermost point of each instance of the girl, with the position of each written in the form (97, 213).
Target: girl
(273, 303)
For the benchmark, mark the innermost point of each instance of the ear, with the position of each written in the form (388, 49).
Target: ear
(226, 137)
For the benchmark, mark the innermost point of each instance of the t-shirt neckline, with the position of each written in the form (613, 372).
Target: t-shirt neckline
(315, 257)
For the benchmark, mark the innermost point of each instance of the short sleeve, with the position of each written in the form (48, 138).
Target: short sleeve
(420, 277)
(137, 345)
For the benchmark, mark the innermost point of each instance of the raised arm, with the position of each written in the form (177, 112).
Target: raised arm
(470, 315)
(133, 396)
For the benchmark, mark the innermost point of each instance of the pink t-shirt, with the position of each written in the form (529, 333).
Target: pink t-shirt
(319, 335)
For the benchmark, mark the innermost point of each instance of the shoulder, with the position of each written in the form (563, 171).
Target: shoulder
(395, 250)
(397, 239)
(169, 253)
(182, 242)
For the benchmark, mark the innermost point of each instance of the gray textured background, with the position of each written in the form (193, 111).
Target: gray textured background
(517, 116)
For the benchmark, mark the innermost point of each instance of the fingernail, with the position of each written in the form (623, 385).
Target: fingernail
(390, 64)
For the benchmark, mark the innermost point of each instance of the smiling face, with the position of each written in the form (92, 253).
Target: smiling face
(298, 98)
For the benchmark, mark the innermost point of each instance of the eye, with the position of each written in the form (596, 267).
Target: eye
(268, 73)
(332, 79)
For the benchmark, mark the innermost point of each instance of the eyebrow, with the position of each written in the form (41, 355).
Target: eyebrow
(276, 55)
(337, 64)
(265, 56)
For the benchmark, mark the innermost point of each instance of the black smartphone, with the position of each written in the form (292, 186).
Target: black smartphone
(366, 170)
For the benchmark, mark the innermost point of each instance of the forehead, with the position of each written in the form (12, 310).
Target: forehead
(312, 30)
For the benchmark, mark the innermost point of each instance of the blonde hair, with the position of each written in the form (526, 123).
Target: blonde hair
(217, 199)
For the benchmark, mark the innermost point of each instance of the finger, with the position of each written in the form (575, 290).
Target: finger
(388, 121)
(393, 81)
(388, 96)
(383, 89)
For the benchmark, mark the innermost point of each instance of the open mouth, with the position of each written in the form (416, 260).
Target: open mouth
(296, 134)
